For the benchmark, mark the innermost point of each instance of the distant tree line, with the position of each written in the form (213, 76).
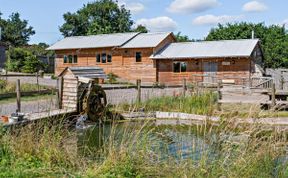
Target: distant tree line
(21, 57)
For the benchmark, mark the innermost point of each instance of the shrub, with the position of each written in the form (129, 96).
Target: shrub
(112, 78)
(3, 84)
(22, 60)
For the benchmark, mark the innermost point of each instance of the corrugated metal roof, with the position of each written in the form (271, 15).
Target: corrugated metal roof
(87, 72)
(93, 41)
(146, 40)
(208, 49)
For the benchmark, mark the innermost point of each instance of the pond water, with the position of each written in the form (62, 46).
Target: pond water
(166, 139)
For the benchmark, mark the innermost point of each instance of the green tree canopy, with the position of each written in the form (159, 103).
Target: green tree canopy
(182, 38)
(15, 32)
(103, 16)
(274, 39)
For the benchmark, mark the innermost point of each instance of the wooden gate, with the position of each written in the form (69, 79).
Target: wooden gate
(210, 72)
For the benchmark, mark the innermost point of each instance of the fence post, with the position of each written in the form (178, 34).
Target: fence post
(18, 93)
(138, 82)
(273, 95)
(219, 95)
(184, 87)
(60, 92)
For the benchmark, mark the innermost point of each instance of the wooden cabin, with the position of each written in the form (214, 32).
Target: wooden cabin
(158, 58)
(231, 61)
(75, 80)
(125, 54)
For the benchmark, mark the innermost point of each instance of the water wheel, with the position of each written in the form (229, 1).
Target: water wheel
(93, 102)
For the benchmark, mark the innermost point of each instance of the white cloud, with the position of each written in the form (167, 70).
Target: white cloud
(254, 6)
(134, 7)
(191, 6)
(213, 20)
(158, 24)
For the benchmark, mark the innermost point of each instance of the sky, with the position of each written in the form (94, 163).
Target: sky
(194, 18)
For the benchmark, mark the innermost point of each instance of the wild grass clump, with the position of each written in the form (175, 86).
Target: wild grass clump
(136, 150)
(195, 104)
(10, 87)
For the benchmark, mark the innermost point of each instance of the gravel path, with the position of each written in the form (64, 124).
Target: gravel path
(29, 106)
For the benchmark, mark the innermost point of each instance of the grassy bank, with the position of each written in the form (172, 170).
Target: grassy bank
(195, 104)
(44, 150)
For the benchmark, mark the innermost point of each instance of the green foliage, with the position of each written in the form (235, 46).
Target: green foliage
(3, 84)
(40, 49)
(141, 29)
(99, 17)
(112, 78)
(15, 31)
(182, 38)
(22, 60)
(274, 40)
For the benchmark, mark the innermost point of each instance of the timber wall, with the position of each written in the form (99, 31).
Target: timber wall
(195, 70)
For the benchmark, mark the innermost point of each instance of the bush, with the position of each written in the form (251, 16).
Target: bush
(112, 78)
(22, 60)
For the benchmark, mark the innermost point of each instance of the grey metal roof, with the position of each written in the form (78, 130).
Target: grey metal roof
(93, 41)
(208, 49)
(146, 40)
(87, 72)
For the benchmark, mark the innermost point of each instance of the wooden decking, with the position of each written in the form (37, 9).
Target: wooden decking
(29, 118)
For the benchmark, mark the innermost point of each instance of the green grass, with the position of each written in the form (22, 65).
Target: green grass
(27, 98)
(196, 104)
(9, 87)
(43, 150)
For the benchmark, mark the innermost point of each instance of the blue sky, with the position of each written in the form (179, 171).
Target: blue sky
(192, 17)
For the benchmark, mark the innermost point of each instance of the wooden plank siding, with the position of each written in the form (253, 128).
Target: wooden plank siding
(195, 70)
(123, 62)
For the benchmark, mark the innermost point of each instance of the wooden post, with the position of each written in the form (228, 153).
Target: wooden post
(60, 92)
(184, 87)
(138, 91)
(282, 82)
(18, 93)
(273, 95)
(219, 95)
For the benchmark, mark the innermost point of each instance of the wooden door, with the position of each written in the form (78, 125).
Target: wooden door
(210, 72)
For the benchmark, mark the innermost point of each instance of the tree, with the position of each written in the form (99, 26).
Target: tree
(274, 40)
(141, 29)
(182, 38)
(15, 31)
(22, 60)
(99, 17)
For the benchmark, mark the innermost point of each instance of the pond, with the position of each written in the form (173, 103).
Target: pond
(165, 138)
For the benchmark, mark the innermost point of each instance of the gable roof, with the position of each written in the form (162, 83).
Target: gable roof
(208, 49)
(86, 73)
(147, 40)
(93, 41)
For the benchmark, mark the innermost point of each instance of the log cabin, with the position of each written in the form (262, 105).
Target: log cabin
(158, 58)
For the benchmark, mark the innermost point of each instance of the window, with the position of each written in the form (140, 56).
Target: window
(179, 67)
(98, 58)
(70, 59)
(103, 57)
(65, 59)
(75, 57)
(138, 56)
(109, 58)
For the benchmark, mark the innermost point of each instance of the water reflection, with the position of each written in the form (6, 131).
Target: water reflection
(163, 139)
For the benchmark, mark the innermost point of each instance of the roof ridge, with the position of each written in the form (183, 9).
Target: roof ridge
(211, 41)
